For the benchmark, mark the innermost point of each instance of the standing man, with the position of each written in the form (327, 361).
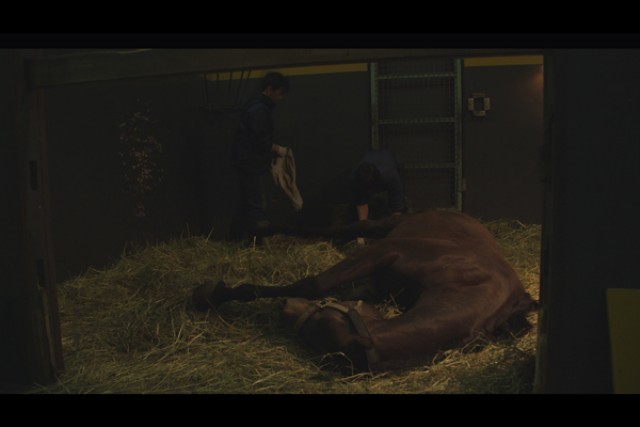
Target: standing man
(252, 153)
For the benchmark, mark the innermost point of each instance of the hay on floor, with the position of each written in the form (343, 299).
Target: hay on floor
(131, 328)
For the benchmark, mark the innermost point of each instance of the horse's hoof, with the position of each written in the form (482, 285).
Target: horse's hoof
(203, 296)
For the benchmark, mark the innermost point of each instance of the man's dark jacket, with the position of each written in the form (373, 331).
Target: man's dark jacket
(389, 167)
(251, 152)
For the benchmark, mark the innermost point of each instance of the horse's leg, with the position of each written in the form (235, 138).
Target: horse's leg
(362, 264)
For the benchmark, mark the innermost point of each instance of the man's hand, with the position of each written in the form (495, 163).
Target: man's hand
(363, 211)
(360, 241)
(279, 150)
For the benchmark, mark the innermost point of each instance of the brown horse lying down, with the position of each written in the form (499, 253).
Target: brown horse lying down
(445, 267)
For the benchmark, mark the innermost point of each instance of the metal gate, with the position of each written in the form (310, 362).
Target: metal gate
(416, 113)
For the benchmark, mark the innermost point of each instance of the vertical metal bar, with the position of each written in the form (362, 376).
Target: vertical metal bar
(373, 75)
(206, 89)
(50, 300)
(244, 89)
(39, 355)
(217, 99)
(228, 99)
(46, 346)
(237, 103)
(542, 372)
(457, 107)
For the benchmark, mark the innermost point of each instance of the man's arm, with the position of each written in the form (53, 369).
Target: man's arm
(363, 211)
(262, 127)
(279, 150)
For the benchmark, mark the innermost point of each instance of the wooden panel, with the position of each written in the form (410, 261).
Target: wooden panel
(14, 329)
(500, 150)
(427, 188)
(31, 348)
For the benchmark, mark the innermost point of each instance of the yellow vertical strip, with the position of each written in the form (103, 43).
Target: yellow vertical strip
(624, 332)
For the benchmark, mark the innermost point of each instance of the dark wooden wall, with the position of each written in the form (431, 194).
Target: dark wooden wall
(591, 226)
(324, 119)
(93, 200)
(30, 347)
(13, 161)
(501, 149)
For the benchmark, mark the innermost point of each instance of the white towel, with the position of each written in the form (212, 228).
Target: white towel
(283, 171)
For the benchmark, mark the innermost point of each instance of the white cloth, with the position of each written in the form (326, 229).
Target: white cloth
(283, 171)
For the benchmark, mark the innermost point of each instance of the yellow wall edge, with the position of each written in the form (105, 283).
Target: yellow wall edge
(291, 71)
(624, 321)
(492, 61)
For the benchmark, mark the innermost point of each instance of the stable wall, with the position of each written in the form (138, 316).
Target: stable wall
(94, 203)
(189, 187)
(98, 209)
(13, 327)
(501, 149)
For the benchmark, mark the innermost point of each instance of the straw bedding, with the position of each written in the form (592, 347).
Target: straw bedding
(131, 328)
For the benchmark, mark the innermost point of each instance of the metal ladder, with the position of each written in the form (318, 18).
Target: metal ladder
(416, 113)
